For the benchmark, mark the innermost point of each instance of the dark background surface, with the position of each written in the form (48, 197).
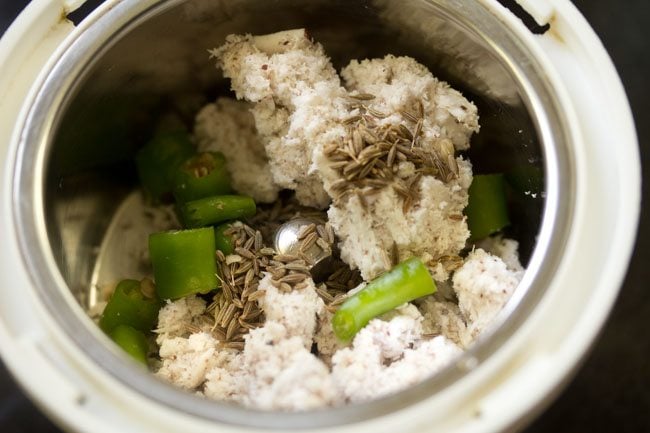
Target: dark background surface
(611, 392)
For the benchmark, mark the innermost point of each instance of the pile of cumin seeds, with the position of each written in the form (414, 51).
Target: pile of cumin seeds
(368, 159)
(334, 290)
(291, 271)
(234, 309)
(319, 236)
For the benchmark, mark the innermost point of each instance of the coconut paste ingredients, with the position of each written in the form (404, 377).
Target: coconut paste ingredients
(372, 153)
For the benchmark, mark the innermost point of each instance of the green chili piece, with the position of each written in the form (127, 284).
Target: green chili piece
(133, 342)
(213, 210)
(487, 211)
(407, 281)
(129, 305)
(223, 242)
(183, 262)
(201, 176)
(158, 161)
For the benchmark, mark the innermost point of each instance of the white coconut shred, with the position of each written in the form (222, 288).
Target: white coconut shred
(376, 146)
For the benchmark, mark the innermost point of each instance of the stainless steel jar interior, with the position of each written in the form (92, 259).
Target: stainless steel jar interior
(108, 90)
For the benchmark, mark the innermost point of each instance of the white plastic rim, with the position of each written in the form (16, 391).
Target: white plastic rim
(506, 392)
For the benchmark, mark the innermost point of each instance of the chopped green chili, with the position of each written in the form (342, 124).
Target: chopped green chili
(223, 242)
(487, 211)
(201, 176)
(183, 262)
(132, 341)
(407, 281)
(129, 305)
(216, 209)
(158, 161)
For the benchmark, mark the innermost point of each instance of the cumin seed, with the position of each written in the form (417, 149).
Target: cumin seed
(363, 96)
